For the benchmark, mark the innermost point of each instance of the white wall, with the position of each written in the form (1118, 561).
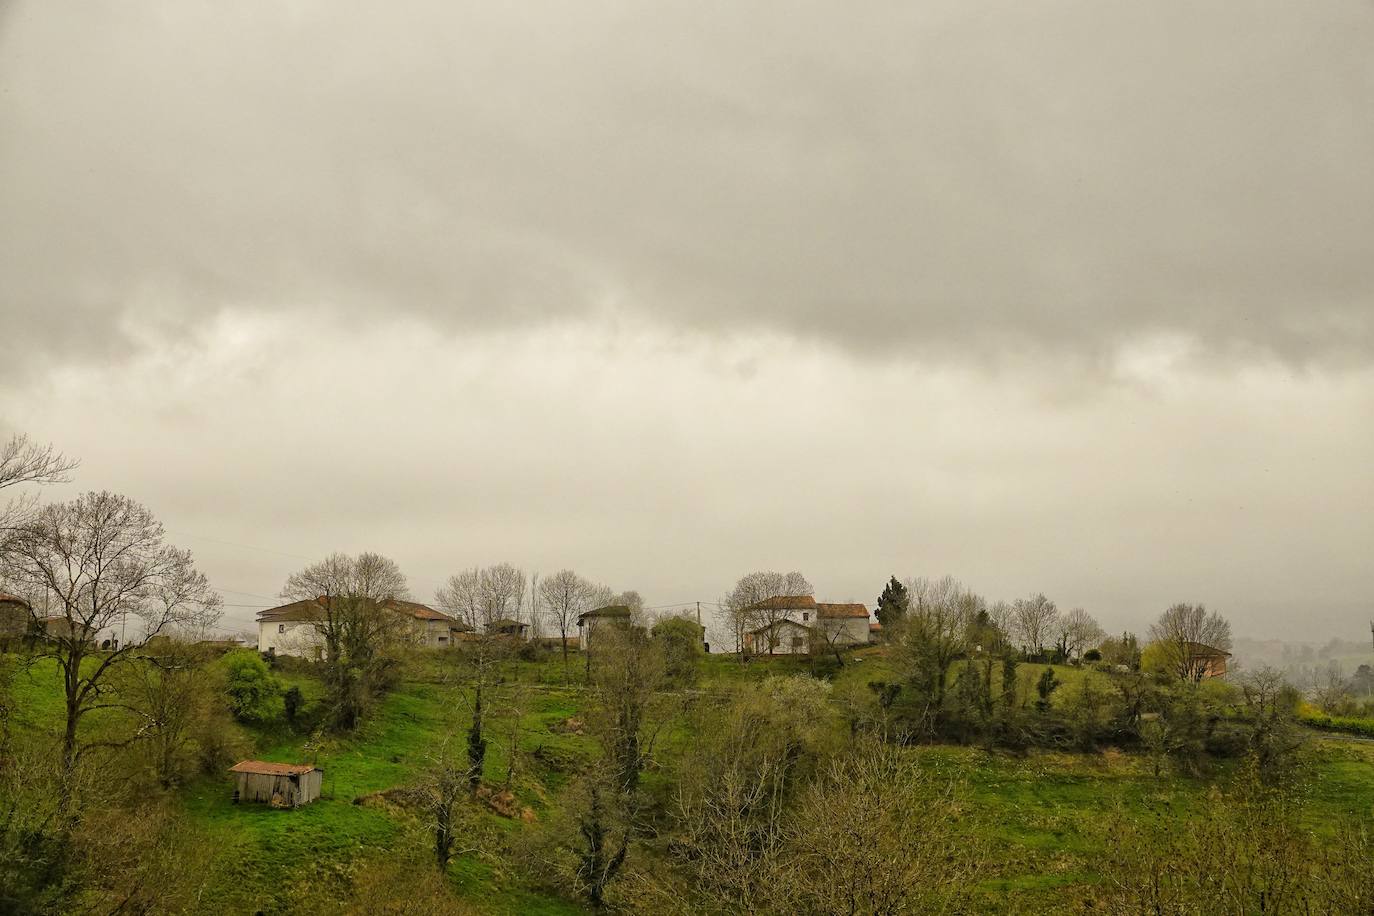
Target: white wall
(290, 637)
(846, 631)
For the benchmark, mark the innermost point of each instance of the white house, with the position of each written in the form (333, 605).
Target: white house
(796, 624)
(292, 629)
(295, 628)
(589, 621)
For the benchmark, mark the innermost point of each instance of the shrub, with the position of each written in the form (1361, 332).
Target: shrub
(254, 694)
(681, 644)
(295, 702)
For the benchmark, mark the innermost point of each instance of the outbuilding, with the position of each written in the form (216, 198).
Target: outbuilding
(281, 785)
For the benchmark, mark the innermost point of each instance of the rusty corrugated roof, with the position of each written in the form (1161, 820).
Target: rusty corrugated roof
(263, 768)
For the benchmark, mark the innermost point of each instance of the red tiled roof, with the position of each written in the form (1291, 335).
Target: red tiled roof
(784, 603)
(14, 599)
(1202, 650)
(831, 611)
(875, 625)
(263, 768)
(297, 610)
(418, 611)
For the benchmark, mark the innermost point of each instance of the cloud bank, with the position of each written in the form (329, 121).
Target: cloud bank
(971, 176)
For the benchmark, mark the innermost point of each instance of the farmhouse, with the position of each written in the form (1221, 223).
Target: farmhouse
(1205, 661)
(295, 628)
(432, 628)
(791, 624)
(16, 616)
(59, 627)
(781, 637)
(281, 785)
(589, 622)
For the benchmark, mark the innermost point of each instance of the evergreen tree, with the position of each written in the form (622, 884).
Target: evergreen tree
(893, 603)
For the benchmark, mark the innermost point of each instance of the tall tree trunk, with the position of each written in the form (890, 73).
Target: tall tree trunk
(477, 745)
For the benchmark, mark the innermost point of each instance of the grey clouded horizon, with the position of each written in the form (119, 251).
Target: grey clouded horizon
(1068, 296)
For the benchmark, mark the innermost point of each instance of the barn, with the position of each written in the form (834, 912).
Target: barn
(282, 785)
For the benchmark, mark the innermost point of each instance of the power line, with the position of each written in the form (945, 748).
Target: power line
(246, 594)
(201, 537)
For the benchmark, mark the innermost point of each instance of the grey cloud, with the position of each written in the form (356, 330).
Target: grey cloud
(958, 174)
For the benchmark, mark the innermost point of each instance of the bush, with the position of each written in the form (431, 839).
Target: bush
(254, 694)
(295, 702)
(1229, 738)
(680, 641)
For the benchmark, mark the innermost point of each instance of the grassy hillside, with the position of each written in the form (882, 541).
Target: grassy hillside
(1044, 816)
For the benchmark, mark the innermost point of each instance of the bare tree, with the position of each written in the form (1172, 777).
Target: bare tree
(356, 625)
(1182, 632)
(461, 597)
(743, 610)
(503, 591)
(481, 597)
(566, 596)
(176, 705)
(1078, 631)
(1001, 616)
(23, 461)
(935, 631)
(445, 787)
(737, 779)
(103, 559)
(536, 617)
(624, 722)
(1034, 619)
(874, 833)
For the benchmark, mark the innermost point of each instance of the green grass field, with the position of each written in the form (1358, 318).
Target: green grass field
(1041, 816)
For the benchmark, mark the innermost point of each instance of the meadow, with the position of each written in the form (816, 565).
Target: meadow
(1043, 818)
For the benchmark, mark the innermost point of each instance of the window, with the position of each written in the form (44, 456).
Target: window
(281, 628)
(806, 615)
(798, 642)
(442, 640)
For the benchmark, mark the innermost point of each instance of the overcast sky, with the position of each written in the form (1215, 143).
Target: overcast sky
(1072, 297)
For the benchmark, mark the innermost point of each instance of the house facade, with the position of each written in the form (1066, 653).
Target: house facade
(1205, 661)
(431, 628)
(591, 621)
(297, 628)
(796, 624)
(292, 629)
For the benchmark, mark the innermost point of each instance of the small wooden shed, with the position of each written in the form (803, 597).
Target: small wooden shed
(282, 785)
